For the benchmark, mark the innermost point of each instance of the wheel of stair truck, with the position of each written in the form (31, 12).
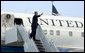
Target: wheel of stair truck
(7, 20)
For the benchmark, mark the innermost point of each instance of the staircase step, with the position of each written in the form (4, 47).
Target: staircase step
(39, 45)
(42, 51)
(42, 48)
(38, 42)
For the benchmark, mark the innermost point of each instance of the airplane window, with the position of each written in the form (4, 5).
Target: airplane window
(82, 34)
(70, 33)
(45, 32)
(51, 32)
(57, 32)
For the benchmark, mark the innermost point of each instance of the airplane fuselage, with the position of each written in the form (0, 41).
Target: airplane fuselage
(58, 29)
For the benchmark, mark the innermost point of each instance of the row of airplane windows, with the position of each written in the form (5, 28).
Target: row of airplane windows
(58, 33)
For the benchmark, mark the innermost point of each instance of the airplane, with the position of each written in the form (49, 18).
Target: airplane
(59, 31)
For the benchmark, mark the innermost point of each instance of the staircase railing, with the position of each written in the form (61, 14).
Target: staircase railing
(29, 45)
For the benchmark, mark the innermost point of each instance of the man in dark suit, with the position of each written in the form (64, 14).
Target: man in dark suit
(34, 25)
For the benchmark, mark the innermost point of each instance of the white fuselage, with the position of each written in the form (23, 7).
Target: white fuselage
(62, 31)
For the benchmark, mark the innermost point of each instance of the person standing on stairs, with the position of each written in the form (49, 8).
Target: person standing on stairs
(34, 25)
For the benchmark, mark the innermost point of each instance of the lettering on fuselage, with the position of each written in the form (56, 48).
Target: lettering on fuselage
(57, 22)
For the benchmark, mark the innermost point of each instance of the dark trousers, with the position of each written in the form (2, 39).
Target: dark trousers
(33, 33)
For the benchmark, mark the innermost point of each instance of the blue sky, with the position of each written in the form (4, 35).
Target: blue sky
(65, 8)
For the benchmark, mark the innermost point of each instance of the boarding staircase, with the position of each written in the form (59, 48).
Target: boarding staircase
(19, 34)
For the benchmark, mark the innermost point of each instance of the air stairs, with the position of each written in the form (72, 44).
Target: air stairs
(19, 34)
